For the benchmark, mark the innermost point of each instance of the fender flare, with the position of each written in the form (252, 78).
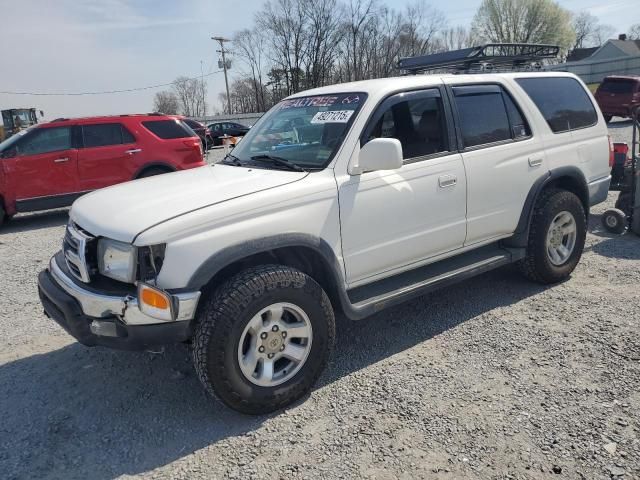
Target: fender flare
(234, 253)
(149, 165)
(521, 235)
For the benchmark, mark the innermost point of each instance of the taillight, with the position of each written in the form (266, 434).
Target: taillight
(611, 158)
(619, 151)
(195, 144)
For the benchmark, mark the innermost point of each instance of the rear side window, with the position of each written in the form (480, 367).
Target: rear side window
(483, 115)
(168, 129)
(105, 134)
(562, 101)
(617, 86)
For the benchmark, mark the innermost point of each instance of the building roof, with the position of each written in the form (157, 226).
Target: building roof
(578, 54)
(629, 47)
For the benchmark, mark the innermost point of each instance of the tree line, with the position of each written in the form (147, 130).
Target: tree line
(295, 45)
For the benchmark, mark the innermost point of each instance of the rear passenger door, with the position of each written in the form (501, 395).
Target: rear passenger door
(395, 220)
(501, 157)
(107, 156)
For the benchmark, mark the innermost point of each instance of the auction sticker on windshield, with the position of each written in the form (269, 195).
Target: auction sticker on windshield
(332, 116)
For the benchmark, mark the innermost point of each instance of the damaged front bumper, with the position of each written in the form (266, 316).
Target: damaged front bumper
(110, 319)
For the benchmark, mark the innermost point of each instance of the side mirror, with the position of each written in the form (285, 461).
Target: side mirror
(379, 154)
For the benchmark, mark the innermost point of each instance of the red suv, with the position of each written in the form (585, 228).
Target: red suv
(618, 95)
(50, 165)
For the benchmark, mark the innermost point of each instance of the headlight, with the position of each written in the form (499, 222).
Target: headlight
(117, 260)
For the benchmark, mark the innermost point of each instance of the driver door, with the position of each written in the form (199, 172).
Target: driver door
(46, 164)
(395, 220)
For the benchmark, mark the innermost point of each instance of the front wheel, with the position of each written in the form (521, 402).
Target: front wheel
(614, 220)
(556, 237)
(263, 338)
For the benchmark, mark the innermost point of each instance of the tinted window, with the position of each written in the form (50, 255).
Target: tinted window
(483, 114)
(167, 129)
(192, 123)
(519, 126)
(105, 134)
(617, 86)
(416, 119)
(44, 140)
(562, 101)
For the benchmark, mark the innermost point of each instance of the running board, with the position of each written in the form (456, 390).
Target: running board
(371, 298)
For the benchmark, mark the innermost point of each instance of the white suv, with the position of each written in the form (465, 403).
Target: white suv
(351, 197)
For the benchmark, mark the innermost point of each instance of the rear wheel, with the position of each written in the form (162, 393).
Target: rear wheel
(150, 172)
(3, 215)
(624, 202)
(263, 338)
(556, 237)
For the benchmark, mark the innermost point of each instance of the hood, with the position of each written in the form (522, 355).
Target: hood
(123, 211)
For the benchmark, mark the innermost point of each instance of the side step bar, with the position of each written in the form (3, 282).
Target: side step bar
(371, 298)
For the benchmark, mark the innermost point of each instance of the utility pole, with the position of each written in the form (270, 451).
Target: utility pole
(222, 40)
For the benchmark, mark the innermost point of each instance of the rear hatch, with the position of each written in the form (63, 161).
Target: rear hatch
(177, 137)
(615, 95)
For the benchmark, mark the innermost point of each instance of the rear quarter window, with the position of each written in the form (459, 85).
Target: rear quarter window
(618, 86)
(168, 129)
(562, 101)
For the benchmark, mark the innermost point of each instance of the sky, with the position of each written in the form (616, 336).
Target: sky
(98, 45)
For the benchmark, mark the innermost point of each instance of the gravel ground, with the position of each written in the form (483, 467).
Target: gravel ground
(492, 378)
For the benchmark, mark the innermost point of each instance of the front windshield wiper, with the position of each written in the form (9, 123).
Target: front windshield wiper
(283, 162)
(230, 159)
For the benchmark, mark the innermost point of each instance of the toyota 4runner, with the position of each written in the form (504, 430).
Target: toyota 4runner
(349, 198)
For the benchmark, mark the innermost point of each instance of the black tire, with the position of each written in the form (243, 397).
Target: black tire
(614, 220)
(226, 314)
(624, 202)
(3, 215)
(150, 172)
(537, 265)
(607, 118)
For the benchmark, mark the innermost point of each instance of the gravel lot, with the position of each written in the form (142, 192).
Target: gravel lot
(492, 378)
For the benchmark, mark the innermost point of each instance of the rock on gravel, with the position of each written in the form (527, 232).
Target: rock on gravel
(493, 378)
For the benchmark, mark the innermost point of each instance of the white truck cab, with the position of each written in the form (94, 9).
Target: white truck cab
(351, 198)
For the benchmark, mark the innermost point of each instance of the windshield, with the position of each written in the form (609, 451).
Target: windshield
(305, 131)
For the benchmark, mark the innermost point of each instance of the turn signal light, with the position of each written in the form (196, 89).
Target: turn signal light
(155, 302)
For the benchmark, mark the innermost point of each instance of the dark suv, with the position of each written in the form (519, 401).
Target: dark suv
(232, 129)
(618, 95)
(51, 164)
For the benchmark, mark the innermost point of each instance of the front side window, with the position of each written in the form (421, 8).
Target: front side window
(105, 134)
(305, 131)
(45, 140)
(562, 101)
(416, 119)
(482, 114)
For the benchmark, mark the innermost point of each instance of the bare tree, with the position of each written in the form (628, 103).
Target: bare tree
(250, 46)
(524, 21)
(455, 38)
(284, 20)
(166, 102)
(634, 32)
(422, 23)
(589, 31)
(191, 93)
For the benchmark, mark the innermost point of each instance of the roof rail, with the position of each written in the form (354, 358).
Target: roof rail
(483, 58)
(60, 119)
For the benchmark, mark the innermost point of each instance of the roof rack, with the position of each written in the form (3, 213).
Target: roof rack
(483, 58)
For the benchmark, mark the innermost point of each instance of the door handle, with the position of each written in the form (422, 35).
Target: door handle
(447, 181)
(135, 150)
(535, 162)
(61, 160)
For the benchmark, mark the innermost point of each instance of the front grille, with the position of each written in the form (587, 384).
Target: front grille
(77, 248)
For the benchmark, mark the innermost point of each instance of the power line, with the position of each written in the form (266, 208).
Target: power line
(106, 92)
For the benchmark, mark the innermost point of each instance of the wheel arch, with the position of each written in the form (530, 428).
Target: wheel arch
(148, 166)
(569, 178)
(311, 255)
